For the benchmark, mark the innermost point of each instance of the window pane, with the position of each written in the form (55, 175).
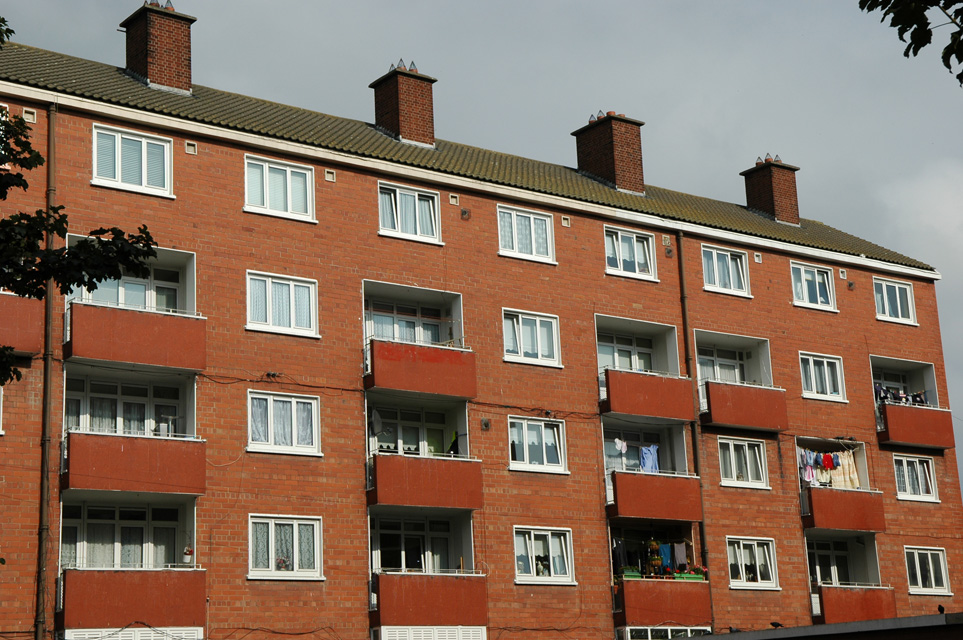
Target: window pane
(914, 579)
(755, 463)
(559, 552)
(103, 415)
(390, 550)
(100, 545)
(135, 295)
(722, 264)
(255, 184)
(523, 563)
(523, 231)
(406, 210)
(135, 418)
(426, 216)
(832, 369)
(72, 413)
(511, 339)
(516, 444)
(737, 282)
(106, 161)
(546, 335)
(132, 547)
(642, 255)
(798, 292)
(280, 304)
(534, 440)
(611, 251)
(505, 236)
(892, 301)
(529, 338)
(900, 476)
(107, 292)
(819, 369)
(880, 300)
(259, 546)
(257, 306)
(156, 166)
(284, 547)
(904, 306)
(628, 253)
(541, 236)
(439, 554)
(131, 170)
(68, 546)
(259, 420)
(282, 422)
(165, 541)
(277, 189)
(166, 298)
(299, 192)
(708, 267)
(302, 306)
(305, 546)
(725, 457)
(551, 445)
(305, 424)
(411, 440)
(386, 207)
(822, 279)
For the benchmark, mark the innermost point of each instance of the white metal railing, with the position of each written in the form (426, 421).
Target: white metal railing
(123, 566)
(433, 572)
(456, 344)
(157, 432)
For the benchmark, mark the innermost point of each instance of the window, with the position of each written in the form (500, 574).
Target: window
(429, 633)
(662, 633)
(812, 286)
(752, 563)
(281, 304)
(163, 290)
(131, 160)
(408, 213)
(822, 377)
(627, 353)
(407, 322)
(285, 548)
(278, 188)
(282, 423)
(828, 562)
(743, 462)
(724, 270)
(413, 432)
(543, 555)
(629, 254)
(414, 545)
(894, 300)
(1, 411)
(130, 407)
(531, 338)
(536, 445)
(130, 537)
(914, 478)
(926, 569)
(525, 234)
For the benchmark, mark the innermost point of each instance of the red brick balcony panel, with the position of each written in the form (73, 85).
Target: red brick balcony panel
(652, 602)
(746, 406)
(845, 509)
(642, 394)
(415, 481)
(125, 463)
(422, 368)
(430, 600)
(659, 497)
(107, 599)
(917, 426)
(139, 337)
(21, 324)
(850, 604)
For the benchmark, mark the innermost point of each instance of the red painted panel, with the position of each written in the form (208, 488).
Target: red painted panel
(643, 394)
(142, 337)
(431, 600)
(21, 324)
(738, 405)
(845, 509)
(422, 368)
(97, 599)
(646, 495)
(426, 482)
(652, 602)
(849, 604)
(124, 463)
(917, 425)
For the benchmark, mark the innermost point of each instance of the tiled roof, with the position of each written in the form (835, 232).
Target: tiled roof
(105, 83)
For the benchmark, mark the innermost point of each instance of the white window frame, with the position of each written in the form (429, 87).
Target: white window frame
(289, 168)
(750, 447)
(151, 284)
(647, 240)
(645, 633)
(272, 572)
(532, 577)
(540, 424)
(423, 425)
(744, 581)
(409, 528)
(423, 633)
(816, 358)
(166, 191)
(710, 281)
(930, 552)
(271, 446)
(151, 401)
(513, 251)
(419, 319)
(800, 291)
(516, 317)
(884, 312)
(1, 411)
(269, 326)
(921, 466)
(386, 188)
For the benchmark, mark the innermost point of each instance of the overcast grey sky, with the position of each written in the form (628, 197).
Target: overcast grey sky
(879, 138)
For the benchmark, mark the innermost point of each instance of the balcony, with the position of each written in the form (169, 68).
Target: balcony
(642, 394)
(652, 602)
(427, 600)
(425, 481)
(140, 337)
(745, 406)
(420, 368)
(655, 496)
(22, 326)
(109, 599)
(851, 604)
(128, 463)
(916, 425)
(844, 509)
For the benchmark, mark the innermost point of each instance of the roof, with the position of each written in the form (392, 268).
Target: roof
(57, 72)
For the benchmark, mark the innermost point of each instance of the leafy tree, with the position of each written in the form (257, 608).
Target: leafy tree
(909, 17)
(28, 262)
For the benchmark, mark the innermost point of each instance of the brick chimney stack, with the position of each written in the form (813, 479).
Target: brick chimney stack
(159, 45)
(610, 147)
(771, 188)
(404, 106)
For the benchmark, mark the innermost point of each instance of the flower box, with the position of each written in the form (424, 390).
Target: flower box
(689, 576)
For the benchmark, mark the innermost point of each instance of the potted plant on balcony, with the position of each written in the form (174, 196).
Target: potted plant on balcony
(188, 557)
(654, 563)
(631, 573)
(691, 572)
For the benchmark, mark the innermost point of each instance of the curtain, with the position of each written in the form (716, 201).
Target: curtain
(506, 239)
(305, 424)
(386, 208)
(439, 554)
(280, 304)
(259, 420)
(546, 336)
(100, 545)
(628, 253)
(302, 306)
(529, 338)
(306, 546)
(258, 300)
(103, 415)
(406, 207)
(132, 547)
(822, 280)
(299, 192)
(426, 216)
(131, 162)
(611, 250)
(282, 422)
(135, 418)
(540, 549)
(255, 184)
(284, 546)
(259, 547)
(165, 543)
(541, 236)
(559, 562)
(516, 442)
(551, 445)
(407, 331)
(904, 305)
(725, 454)
(277, 189)
(523, 561)
(535, 452)
(68, 546)
(708, 267)
(523, 231)
(642, 255)
(511, 337)
(156, 166)
(737, 282)
(722, 264)
(106, 160)
(72, 414)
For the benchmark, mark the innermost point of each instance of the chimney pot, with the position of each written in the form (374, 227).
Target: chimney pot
(610, 148)
(404, 104)
(159, 45)
(771, 188)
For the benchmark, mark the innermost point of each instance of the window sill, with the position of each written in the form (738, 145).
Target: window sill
(525, 256)
(109, 184)
(283, 452)
(309, 218)
(916, 592)
(813, 396)
(728, 292)
(630, 275)
(814, 307)
(909, 323)
(549, 583)
(745, 485)
(537, 363)
(284, 332)
(753, 587)
(387, 233)
(911, 498)
(280, 578)
(532, 468)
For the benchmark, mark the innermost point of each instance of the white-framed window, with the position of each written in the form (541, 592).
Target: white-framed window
(163, 290)
(132, 160)
(414, 545)
(427, 633)
(536, 444)
(543, 555)
(661, 633)
(625, 353)
(812, 286)
(894, 301)
(408, 213)
(914, 478)
(1, 411)
(129, 407)
(282, 304)
(725, 270)
(282, 423)
(822, 376)
(122, 537)
(828, 562)
(926, 570)
(284, 547)
(278, 188)
(407, 322)
(411, 431)
(525, 234)
(629, 253)
(743, 462)
(531, 337)
(752, 563)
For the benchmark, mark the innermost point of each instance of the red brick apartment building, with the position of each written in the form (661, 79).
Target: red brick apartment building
(381, 385)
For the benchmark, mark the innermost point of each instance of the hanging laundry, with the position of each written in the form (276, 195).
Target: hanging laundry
(649, 458)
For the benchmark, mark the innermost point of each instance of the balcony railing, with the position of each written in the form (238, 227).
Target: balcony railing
(743, 405)
(434, 369)
(919, 425)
